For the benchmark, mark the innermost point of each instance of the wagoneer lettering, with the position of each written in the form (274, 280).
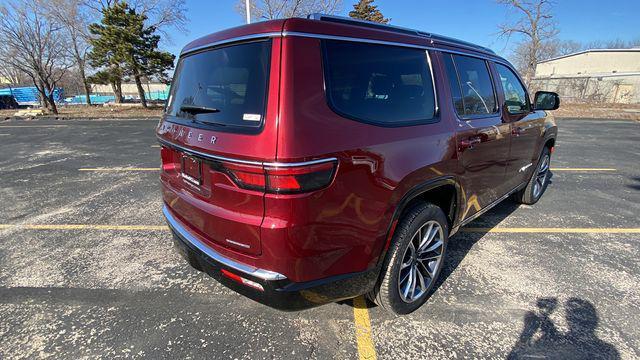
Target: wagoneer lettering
(352, 152)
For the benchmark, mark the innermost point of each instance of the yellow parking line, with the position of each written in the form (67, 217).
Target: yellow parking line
(155, 146)
(120, 169)
(366, 349)
(582, 169)
(82, 227)
(554, 230)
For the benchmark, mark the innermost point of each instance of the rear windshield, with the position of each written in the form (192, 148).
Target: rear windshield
(379, 84)
(224, 87)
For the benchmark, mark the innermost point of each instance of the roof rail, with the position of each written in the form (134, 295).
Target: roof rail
(398, 29)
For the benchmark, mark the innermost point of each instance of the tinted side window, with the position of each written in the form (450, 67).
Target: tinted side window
(378, 84)
(515, 95)
(478, 97)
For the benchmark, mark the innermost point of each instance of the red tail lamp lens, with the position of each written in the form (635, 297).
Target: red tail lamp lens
(247, 176)
(296, 179)
(282, 179)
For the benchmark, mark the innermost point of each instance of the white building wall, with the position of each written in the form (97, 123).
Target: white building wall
(611, 76)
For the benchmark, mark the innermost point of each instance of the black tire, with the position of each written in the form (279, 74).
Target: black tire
(387, 293)
(538, 183)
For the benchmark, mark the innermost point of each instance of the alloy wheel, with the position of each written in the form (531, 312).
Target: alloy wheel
(541, 176)
(421, 262)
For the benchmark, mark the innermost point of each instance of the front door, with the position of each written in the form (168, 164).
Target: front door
(482, 137)
(527, 126)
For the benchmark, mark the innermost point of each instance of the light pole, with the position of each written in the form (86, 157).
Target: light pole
(248, 10)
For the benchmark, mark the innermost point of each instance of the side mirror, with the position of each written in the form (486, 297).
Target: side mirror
(546, 100)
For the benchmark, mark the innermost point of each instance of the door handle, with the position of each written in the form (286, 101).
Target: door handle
(470, 142)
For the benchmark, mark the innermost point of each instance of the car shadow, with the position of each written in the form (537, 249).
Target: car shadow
(636, 183)
(541, 338)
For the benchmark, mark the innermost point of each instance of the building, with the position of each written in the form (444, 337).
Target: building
(153, 91)
(596, 75)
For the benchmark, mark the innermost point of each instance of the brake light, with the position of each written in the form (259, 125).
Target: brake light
(282, 179)
(166, 156)
(247, 176)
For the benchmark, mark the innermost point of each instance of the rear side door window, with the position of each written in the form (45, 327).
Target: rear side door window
(471, 86)
(379, 84)
(515, 95)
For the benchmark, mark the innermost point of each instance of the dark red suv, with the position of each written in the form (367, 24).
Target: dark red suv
(306, 161)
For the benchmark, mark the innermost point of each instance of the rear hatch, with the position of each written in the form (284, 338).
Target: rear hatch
(218, 129)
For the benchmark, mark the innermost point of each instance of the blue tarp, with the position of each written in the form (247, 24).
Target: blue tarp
(101, 99)
(29, 95)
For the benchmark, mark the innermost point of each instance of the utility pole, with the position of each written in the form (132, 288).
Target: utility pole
(248, 10)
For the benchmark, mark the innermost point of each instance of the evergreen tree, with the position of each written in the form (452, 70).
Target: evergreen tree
(124, 46)
(365, 10)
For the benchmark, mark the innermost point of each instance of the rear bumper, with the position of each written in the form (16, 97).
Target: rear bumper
(278, 292)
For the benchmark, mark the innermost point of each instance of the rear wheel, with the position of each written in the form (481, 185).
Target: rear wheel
(538, 182)
(414, 260)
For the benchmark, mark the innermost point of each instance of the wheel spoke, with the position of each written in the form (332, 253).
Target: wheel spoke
(428, 258)
(407, 287)
(423, 285)
(427, 237)
(414, 276)
(403, 279)
(433, 247)
(426, 269)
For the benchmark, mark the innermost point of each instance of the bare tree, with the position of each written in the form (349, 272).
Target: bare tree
(280, 9)
(34, 45)
(70, 15)
(12, 75)
(535, 27)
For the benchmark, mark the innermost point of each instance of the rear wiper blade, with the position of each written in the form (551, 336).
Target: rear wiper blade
(196, 109)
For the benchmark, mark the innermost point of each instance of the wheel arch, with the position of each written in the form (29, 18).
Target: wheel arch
(444, 192)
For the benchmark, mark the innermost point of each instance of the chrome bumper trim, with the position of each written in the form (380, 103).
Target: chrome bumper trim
(214, 255)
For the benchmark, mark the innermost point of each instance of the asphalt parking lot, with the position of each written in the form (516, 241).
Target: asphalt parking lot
(87, 268)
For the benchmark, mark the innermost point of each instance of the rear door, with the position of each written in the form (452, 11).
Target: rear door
(482, 137)
(218, 129)
(526, 126)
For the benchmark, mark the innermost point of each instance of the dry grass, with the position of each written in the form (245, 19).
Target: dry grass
(98, 112)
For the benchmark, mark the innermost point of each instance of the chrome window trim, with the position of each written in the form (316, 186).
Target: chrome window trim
(245, 162)
(433, 83)
(231, 40)
(247, 269)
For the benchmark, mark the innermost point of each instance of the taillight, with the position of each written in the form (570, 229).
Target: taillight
(282, 179)
(166, 156)
(247, 176)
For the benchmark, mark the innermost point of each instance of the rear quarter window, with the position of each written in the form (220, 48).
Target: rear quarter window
(379, 84)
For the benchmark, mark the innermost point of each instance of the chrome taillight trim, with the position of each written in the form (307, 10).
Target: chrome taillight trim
(245, 162)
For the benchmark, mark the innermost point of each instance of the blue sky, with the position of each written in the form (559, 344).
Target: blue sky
(471, 20)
